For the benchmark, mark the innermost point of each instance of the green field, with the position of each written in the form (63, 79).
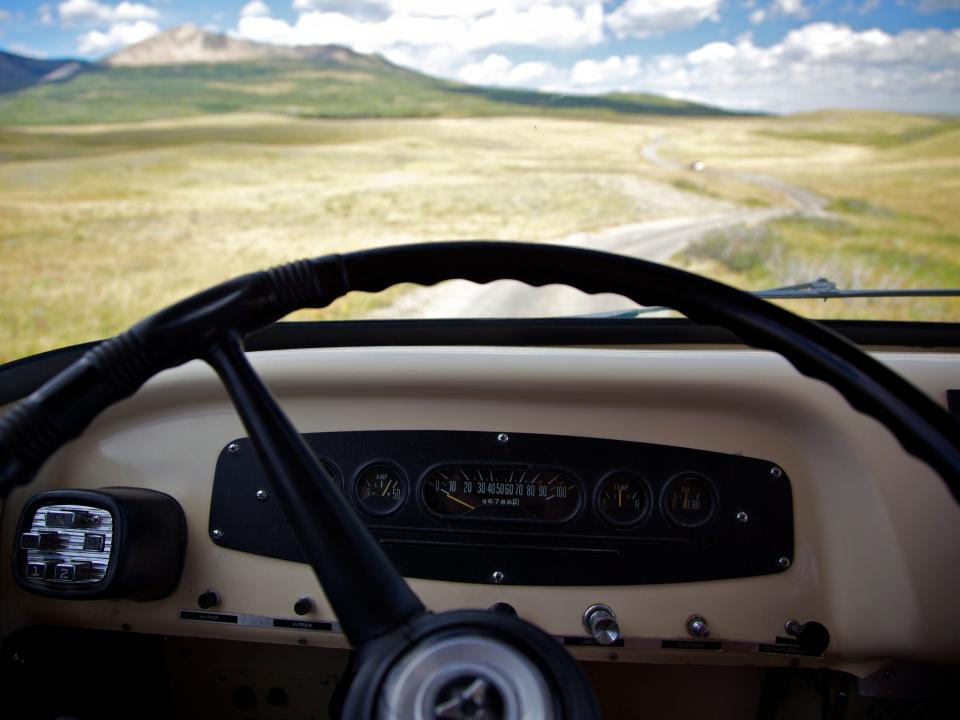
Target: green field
(893, 218)
(365, 87)
(103, 224)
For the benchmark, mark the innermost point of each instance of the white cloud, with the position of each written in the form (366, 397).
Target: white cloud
(45, 13)
(496, 69)
(4, 15)
(440, 38)
(815, 66)
(643, 18)
(757, 16)
(255, 8)
(29, 51)
(75, 12)
(794, 8)
(117, 36)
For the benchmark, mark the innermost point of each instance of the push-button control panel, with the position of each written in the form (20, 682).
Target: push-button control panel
(109, 542)
(67, 544)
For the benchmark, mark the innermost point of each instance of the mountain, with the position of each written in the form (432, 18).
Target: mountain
(188, 44)
(18, 72)
(187, 71)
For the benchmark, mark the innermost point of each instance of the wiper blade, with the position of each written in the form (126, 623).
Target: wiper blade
(819, 289)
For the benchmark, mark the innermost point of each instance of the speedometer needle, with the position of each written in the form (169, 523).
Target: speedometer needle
(458, 500)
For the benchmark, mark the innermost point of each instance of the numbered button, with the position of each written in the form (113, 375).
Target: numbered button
(71, 572)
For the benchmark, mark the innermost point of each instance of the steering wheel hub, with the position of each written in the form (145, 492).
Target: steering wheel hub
(465, 677)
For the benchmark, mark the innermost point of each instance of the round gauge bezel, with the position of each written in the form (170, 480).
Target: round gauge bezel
(711, 488)
(574, 478)
(331, 467)
(355, 486)
(645, 488)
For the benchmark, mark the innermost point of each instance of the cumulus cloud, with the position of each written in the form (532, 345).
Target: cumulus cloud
(91, 12)
(818, 65)
(643, 18)
(45, 14)
(793, 8)
(439, 37)
(495, 69)
(117, 36)
(757, 16)
(255, 8)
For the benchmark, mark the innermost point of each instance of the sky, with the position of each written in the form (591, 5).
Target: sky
(772, 55)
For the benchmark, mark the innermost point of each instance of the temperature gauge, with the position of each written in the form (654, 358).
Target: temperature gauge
(623, 499)
(380, 489)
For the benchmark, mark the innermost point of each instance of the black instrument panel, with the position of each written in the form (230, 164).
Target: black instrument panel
(518, 508)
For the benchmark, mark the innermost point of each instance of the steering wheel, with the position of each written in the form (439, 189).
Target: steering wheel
(411, 663)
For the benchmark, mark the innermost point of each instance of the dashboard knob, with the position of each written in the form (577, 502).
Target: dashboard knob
(303, 605)
(812, 637)
(208, 599)
(601, 622)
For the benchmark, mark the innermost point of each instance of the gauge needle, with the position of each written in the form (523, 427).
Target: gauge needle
(619, 497)
(458, 500)
(386, 488)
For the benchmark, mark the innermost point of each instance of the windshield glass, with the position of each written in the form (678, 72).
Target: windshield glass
(150, 149)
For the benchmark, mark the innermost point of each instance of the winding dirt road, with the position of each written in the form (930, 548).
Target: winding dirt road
(656, 240)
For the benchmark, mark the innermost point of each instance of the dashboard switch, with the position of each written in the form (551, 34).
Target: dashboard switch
(40, 541)
(601, 623)
(71, 571)
(94, 542)
(812, 637)
(72, 519)
(208, 599)
(303, 605)
(41, 569)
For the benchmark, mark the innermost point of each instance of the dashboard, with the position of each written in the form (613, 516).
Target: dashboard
(666, 485)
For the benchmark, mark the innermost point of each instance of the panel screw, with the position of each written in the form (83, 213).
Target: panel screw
(232, 448)
(216, 534)
(262, 495)
(742, 516)
(784, 562)
(497, 576)
(776, 472)
(697, 626)
(503, 438)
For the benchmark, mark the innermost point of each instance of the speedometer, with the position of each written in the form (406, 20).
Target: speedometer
(484, 492)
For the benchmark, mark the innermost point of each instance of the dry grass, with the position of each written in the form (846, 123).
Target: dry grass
(101, 226)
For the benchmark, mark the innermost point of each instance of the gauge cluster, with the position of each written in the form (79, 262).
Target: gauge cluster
(519, 508)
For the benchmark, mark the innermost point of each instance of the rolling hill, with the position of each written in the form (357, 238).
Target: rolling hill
(18, 72)
(186, 71)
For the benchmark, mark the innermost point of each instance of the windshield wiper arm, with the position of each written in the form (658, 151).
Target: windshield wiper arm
(819, 289)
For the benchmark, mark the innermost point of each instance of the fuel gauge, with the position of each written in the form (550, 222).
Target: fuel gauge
(623, 499)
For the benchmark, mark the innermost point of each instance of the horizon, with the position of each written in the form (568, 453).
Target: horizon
(774, 56)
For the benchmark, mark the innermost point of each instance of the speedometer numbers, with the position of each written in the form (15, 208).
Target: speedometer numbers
(623, 499)
(496, 493)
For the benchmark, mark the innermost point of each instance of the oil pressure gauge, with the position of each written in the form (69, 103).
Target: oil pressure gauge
(623, 499)
(380, 489)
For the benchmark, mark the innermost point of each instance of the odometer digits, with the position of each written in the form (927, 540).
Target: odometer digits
(481, 492)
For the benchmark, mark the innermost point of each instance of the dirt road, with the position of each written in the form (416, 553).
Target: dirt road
(656, 240)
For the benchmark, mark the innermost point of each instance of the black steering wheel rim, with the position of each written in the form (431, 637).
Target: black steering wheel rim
(211, 324)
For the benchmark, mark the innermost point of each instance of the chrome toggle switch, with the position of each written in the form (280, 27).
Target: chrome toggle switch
(601, 622)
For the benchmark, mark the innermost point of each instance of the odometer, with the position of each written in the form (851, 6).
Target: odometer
(484, 492)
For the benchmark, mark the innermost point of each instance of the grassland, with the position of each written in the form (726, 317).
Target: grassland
(102, 224)
(893, 220)
(366, 87)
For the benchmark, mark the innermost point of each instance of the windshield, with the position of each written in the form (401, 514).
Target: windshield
(150, 149)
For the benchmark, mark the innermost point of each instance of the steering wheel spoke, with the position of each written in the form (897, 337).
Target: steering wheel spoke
(368, 595)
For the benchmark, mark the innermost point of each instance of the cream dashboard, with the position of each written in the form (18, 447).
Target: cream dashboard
(668, 485)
